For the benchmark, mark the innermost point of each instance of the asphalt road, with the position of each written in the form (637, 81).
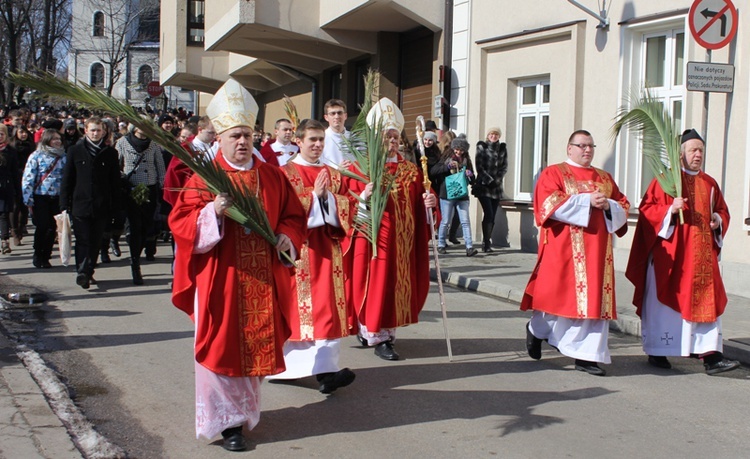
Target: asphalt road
(126, 355)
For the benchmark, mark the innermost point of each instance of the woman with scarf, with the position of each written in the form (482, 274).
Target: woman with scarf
(40, 185)
(10, 187)
(23, 142)
(455, 160)
(142, 165)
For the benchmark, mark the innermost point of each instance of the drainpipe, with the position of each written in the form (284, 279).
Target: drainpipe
(446, 67)
(313, 81)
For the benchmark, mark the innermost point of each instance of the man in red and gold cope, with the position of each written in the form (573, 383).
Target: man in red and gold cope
(390, 290)
(230, 280)
(577, 208)
(674, 266)
(320, 314)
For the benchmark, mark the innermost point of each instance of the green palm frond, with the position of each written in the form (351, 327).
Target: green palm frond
(650, 121)
(246, 210)
(367, 145)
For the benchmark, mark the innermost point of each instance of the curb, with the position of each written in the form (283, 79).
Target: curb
(628, 324)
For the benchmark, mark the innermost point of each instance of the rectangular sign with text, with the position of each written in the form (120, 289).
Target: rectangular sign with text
(710, 77)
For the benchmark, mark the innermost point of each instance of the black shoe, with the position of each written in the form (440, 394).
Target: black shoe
(486, 248)
(385, 351)
(533, 344)
(659, 361)
(92, 281)
(233, 439)
(362, 340)
(442, 251)
(83, 280)
(114, 244)
(150, 257)
(135, 270)
(471, 252)
(453, 240)
(105, 257)
(589, 367)
(721, 366)
(329, 382)
(46, 265)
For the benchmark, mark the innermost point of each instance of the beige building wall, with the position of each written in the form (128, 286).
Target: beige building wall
(590, 71)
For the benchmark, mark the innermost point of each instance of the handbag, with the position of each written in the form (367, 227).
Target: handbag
(126, 185)
(457, 185)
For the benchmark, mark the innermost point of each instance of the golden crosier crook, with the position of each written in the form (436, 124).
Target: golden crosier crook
(430, 221)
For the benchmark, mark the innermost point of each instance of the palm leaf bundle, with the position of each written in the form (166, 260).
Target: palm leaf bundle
(246, 210)
(291, 111)
(368, 147)
(648, 118)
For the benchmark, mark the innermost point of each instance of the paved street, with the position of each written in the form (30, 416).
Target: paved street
(126, 355)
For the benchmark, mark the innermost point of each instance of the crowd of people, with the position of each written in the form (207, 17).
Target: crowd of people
(278, 308)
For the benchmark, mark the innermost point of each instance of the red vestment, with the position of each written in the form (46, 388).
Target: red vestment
(686, 264)
(240, 286)
(319, 308)
(176, 177)
(390, 290)
(268, 154)
(574, 275)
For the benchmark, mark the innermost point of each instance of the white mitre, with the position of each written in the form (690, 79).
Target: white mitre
(387, 113)
(232, 106)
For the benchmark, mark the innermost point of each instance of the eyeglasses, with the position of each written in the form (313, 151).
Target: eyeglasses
(584, 146)
(338, 112)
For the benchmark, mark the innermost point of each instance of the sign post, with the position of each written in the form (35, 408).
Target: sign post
(713, 25)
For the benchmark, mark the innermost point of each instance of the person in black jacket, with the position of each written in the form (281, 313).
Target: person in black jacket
(91, 193)
(23, 142)
(492, 164)
(10, 187)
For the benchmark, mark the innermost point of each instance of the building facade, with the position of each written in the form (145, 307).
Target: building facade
(539, 71)
(116, 44)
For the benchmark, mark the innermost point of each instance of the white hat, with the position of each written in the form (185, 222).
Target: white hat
(389, 114)
(232, 106)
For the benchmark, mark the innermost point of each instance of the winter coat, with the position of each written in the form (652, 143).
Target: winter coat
(91, 184)
(492, 164)
(10, 180)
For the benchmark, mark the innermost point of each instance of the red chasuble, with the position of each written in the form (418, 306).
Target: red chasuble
(320, 309)
(686, 265)
(574, 275)
(390, 290)
(240, 287)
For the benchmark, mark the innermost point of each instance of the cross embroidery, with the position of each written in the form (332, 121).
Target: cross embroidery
(666, 338)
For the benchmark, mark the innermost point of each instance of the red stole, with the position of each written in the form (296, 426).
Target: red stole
(574, 274)
(320, 309)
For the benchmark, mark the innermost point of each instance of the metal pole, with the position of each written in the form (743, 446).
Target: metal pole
(704, 126)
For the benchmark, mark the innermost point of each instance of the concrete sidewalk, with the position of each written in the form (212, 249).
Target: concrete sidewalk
(504, 273)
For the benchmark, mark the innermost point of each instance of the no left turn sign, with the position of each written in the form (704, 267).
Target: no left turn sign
(713, 23)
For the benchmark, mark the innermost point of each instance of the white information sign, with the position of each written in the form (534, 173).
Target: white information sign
(709, 77)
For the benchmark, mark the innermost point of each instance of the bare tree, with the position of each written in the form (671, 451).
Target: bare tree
(14, 18)
(33, 33)
(121, 29)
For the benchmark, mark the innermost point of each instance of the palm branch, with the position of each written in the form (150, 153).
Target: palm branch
(367, 146)
(648, 118)
(246, 209)
(291, 111)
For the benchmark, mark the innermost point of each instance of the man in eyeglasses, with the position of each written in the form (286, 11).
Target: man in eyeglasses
(572, 288)
(335, 114)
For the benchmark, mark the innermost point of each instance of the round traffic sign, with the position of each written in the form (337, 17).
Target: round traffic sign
(154, 89)
(713, 23)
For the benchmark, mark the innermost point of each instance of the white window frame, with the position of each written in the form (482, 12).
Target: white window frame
(630, 163)
(538, 110)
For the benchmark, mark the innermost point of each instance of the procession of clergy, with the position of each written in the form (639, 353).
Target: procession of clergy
(257, 316)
